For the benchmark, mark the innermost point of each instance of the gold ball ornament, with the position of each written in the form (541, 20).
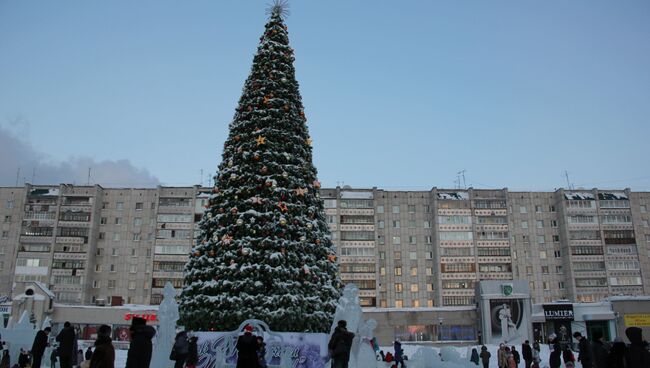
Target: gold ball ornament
(310, 226)
(283, 221)
(240, 222)
(285, 174)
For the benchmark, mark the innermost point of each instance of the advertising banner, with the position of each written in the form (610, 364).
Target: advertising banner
(558, 312)
(637, 320)
(506, 319)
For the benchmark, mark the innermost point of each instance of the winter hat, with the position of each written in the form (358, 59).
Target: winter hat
(342, 323)
(248, 328)
(635, 335)
(137, 321)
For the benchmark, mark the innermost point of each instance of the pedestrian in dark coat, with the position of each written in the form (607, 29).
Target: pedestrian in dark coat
(637, 354)
(555, 360)
(53, 356)
(567, 356)
(584, 347)
(599, 350)
(89, 353)
(180, 349)
(66, 339)
(485, 356)
(340, 345)
(474, 358)
(193, 353)
(23, 358)
(527, 354)
(39, 345)
(104, 354)
(139, 355)
(261, 352)
(399, 354)
(4, 362)
(616, 357)
(247, 349)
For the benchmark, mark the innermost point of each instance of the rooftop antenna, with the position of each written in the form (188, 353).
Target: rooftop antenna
(462, 174)
(33, 175)
(201, 181)
(17, 176)
(88, 183)
(568, 182)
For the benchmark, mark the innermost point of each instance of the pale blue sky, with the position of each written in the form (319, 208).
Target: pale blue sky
(398, 94)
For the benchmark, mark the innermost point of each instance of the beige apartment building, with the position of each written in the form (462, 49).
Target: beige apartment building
(404, 249)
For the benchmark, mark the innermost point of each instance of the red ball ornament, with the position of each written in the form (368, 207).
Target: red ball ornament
(256, 157)
(233, 210)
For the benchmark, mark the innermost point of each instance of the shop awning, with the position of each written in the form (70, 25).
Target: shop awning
(538, 318)
(598, 316)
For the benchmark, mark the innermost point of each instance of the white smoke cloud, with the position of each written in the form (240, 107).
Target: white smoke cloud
(18, 154)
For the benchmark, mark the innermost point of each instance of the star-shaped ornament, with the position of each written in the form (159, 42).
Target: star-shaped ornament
(283, 207)
(257, 200)
(226, 239)
(300, 191)
(309, 141)
(260, 140)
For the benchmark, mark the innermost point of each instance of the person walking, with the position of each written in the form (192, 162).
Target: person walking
(501, 356)
(637, 354)
(53, 356)
(399, 354)
(555, 359)
(89, 353)
(193, 353)
(485, 356)
(474, 358)
(80, 357)
(527, 354)
(261, 352)
(104, 354)
(66, 339)
(39, 345)
(340, 345)
(585, 356)
(536, 357)
(247, 349)
(515, 355)
(599, 350)
(180, 349)
(616, 356)
(5, 360)
(139, 355)
(568, 357)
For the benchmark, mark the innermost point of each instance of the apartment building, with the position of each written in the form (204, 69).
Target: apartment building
(404, 249)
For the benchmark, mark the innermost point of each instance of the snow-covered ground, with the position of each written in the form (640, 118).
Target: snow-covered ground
(409, 350)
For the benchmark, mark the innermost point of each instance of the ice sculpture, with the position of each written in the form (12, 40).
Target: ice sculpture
(167, 317)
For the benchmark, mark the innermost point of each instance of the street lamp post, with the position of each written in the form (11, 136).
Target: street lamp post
(440, 322)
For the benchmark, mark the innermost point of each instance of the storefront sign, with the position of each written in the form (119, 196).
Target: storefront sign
(146, 316)
(637, 320)
(558, 312)
(5, 309)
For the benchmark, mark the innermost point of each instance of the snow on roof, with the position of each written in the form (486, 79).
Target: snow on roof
(455, 196)
(44, 192)
(356, 195)
(45, 289)
(612, 196)
(579, 196)
(620, 298)
(129, 307)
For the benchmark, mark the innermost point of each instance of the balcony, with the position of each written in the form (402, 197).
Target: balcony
(43, 216)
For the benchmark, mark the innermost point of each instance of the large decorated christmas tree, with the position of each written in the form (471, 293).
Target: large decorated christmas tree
(264, 250)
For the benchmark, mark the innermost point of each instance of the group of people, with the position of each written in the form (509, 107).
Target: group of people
(508, 356)
(185, 351)
(398, 358)
(598, 354)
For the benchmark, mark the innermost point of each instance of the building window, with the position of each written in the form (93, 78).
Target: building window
(399, 303)
(112, 268)
(412, 224)
(541, 239)
(134, 252)
(413, 256)
(643, 209)
(114, 252)
(551, 208)
(558, 254)
(380, 209)
(529, 270)
(546, 285)
(382, 271)
(412, 239)
(380, 224)
(429, 271)
(139, 206)
(545, 270)
(395, 209)
(118, 221)
(103, 220)
(137, 221)
(645, 223)
(560, 285)
(382, 255)
(396, 224)
(398, 271)
(7, 219)
(9, 204)
(133, 268)
(427, 209)
(538, 209)
(427, 224)
(397, 240)
(556, 238)
(558, 269)
(397, 255)
(119, 206)
(101, 236)
(553, 223)
(524, 224)
(411, 208)
(5, 234)
(540, 224)
(414, 288)
(98, 268)
(136, 236)
(398, 288)
(428, 255)
(414, 271)
(116, 236)
(131, 285)
(427, 239)
(104, 205)
(111, 284)
(96, 284)
(542, 254)
(522, 209)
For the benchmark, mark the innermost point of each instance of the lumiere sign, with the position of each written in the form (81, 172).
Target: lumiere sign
(558, 312)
